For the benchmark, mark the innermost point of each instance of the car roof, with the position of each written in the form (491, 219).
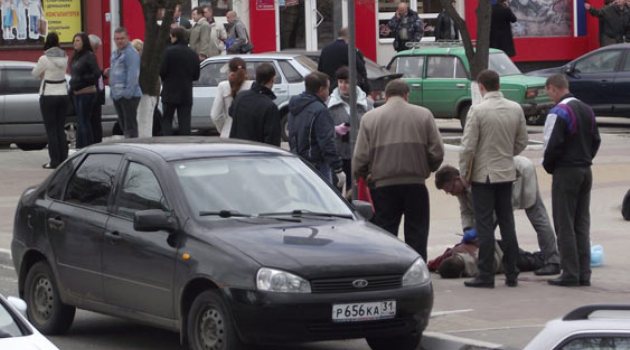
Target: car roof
(253, 56)
(174, 148)
(10, 63)
(438, 50)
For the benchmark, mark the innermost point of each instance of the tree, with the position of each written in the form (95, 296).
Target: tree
(477, 55)
(156, 38)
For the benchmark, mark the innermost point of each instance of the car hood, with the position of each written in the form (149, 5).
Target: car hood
(521, 79)
(322, 248)
(546, 72)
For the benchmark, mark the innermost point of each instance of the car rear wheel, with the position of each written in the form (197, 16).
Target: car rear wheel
(284, 127)
(402, 342)
(31, 146)
(45, 309)
(210, 325)
(463, 113)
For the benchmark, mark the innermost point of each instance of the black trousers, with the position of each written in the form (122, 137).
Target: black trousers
(489, 199)
(127, 110)
(183, 118)
(571, 200)
(97, 122)
(53, 110)
(391, 202)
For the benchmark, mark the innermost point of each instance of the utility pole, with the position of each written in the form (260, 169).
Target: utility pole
(352, 67)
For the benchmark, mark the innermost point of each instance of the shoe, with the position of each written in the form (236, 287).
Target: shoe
(479, 283)
(563, 282)
(548, 270)
(48, 166)
(511, 282)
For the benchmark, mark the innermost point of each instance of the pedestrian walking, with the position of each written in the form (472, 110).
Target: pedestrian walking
(406, 26)
(96, 119)
(445, 28)
(217, 33)
(571, 142)
(179, 68)
(339, 107)
(312, 129)
(124, 83)
(53, 98)
(495, 132)
(613, 21)
(335, 56)
(226, 92)
(255, 116)
(237, 37)
(525, 195)
(200, 34)
(84, 73)
(501, 27)
(398, 147)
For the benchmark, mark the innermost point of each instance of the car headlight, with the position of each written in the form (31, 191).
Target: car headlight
(416, 274)
(272, 280)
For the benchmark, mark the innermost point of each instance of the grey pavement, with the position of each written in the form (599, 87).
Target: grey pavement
(507, 316)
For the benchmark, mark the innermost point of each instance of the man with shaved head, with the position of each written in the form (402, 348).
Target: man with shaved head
(406, 26)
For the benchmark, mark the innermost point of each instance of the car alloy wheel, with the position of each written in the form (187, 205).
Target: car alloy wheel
(45, 309)
(210, 324)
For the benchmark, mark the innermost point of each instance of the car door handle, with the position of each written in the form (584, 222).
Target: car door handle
(416, 85)
(56, 223)
(113, 236)
(279, 91)
(461, 86)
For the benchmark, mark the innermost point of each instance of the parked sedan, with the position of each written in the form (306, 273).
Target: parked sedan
(227, 242)
(16, 333)
(600, 78)
(21, 120)
(290, 72)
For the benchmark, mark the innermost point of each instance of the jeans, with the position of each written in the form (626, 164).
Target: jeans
(183, 118)
(53, 110)
(325, 171)
(83, 107)
(127, 110)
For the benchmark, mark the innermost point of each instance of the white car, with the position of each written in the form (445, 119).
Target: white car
(290, 72)
(591, 327)
(16, 333)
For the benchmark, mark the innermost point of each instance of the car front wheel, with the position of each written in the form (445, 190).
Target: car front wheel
(45, 309)
(210, 325)
(31, 146)
(402, 342)
(463, 114)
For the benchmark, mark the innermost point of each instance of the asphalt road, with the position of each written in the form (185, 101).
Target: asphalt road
(504, 316)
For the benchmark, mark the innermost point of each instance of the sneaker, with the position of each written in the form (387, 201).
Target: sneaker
(548, 270)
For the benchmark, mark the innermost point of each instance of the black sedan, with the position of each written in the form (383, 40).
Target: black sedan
(228, 243)
(600, 78)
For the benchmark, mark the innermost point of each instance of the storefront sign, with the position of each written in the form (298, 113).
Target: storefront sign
(27, 22)
(264, 5)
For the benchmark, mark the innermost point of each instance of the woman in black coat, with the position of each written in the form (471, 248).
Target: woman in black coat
(501, 28)
(85, 72)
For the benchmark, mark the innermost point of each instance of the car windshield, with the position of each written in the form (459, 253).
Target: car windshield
(307, 62)
(8, 325)
(502, 64)
(249, 186)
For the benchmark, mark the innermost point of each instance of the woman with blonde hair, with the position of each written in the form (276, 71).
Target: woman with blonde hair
(226, 91)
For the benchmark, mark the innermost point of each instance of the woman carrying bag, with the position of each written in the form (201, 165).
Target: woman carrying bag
(85, 74)
(53, 100)
(226, 91)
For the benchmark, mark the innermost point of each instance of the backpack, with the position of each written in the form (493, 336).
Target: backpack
(625, 206)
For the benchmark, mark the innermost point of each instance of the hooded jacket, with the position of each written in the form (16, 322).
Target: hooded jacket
(340, 112)
(312, 131)
(51, 68)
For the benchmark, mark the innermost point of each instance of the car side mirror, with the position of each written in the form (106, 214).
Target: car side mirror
(569, 70)
(154, 220)
(364, 209)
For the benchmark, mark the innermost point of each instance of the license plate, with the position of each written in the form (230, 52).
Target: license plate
(364, 311)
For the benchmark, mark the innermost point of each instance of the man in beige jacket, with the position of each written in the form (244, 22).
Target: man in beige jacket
(199, 39)
(399, 146)
(495, 132)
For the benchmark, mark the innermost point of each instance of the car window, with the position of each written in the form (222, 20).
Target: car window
(626, 64)
(409, 66)
(441, 67)
(460, 70)
(212, 74)
(8, 326)
(597, 343)
(56, 185)
(92, 183)
(307, 62)
(140, 191)
(20, 81)
(502, 64)
(292, 75)
(251, 70)
(601, 62)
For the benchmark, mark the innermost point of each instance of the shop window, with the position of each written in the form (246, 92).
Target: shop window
(219, 7)
(427, 9)
(542, 18)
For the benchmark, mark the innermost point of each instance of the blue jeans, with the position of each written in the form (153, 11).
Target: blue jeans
(325, 171)
(83, 108)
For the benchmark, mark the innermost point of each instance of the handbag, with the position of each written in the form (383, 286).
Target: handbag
(42, 27)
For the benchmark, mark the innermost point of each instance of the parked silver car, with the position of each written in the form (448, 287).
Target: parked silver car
(290, 72)
(15, 330)
(21, 121)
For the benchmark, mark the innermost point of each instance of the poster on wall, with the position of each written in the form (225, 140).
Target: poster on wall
(27, 22)
(542, 18)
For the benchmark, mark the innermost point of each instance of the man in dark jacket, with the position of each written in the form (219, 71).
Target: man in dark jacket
(406, 25)
(571, 142)
(613, 21)
(335, 56)
(312, 130)
(446, 28)
(180, 67)
(501, 28)
(254, 115)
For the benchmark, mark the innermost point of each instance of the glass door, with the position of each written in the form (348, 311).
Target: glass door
(291, 24)
(308, 24)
